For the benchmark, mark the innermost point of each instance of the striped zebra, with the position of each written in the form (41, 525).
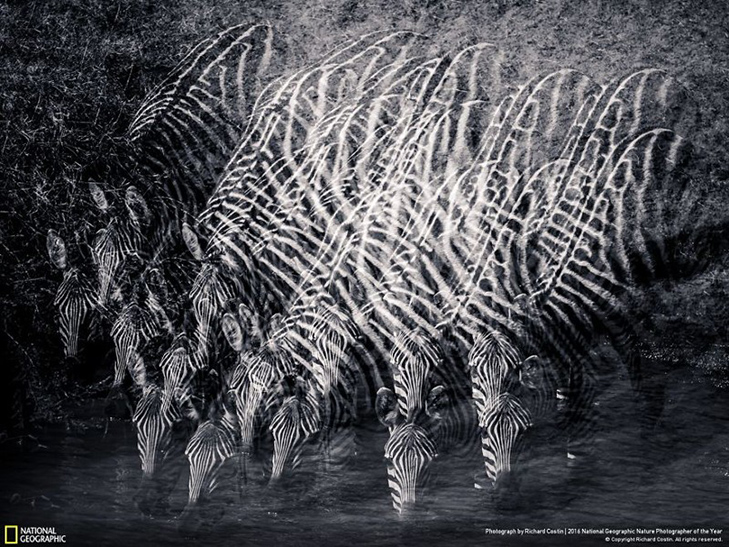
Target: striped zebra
(75, 298)
(254, 392)
(304, 401)
(263, 177)
(320, 413)
(424, 415)
(121, 239)
(162, 431)
(506, 239)
(182, 135)
(243, 411)
(503, 417)
(297, 420)
(135, 330)
(561, 251)
(165, 417)
(187, 127)
(213, 444)
(380, 255)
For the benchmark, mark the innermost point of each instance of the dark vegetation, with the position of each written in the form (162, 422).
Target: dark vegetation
(73, 73)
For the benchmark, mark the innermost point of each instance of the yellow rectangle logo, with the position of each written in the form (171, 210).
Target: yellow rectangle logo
(11, 532)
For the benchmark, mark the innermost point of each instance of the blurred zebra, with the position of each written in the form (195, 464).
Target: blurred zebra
(214, 443)
(187, 127)
(320, 413)
(165, 417)
(425, 416)
(75, 298)
(563, 250)
(182, 134)
(259, 187)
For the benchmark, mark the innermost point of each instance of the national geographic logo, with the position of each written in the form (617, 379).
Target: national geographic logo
(11, 535)
(15, 534)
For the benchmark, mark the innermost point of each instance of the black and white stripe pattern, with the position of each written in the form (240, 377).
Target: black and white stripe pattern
(213, 443)
(386, 216)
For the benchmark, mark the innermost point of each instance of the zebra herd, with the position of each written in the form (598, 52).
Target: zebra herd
(386, 230)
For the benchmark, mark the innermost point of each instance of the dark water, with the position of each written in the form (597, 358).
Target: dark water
(82, 480)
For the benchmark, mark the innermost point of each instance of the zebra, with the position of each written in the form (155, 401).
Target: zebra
(188, 126)
(296, 421)
(573, 298)
(133, 332)
(120, 239)
(75, 298)
(503, 417)
(242, 413)
(165, 417)
(481, 244)
(162, 431)
(424, 416)
(181, 134)
(306, 402)
(321, 410)
(253, 392)
(214, 443)
(265, 164)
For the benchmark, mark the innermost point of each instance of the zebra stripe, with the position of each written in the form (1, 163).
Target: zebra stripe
(154, 422)
(502, 427)
(132, 331)
(74, 300)
(214, 442)
(298, 419)
(188, 126)
(409, 452)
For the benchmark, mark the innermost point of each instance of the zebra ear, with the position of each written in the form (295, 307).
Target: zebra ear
(56, 250)
(232, 331)
(137, 206)
(192, 241)
(436, 402)
(386, 407)
(249, 320)
(529, 372)
(98, 196)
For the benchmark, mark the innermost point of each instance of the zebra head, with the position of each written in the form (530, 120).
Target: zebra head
(502, 428)
(412, 415)
(179, 365)
(162, 432)
(109, 249)
(250, 389)
(75, 298)
(295, 422)
(413, 359)
(133, 328)
(213, 288)
(213, 443)
(242, 328)
(154, 422)
(502, 416)
(411, 448)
